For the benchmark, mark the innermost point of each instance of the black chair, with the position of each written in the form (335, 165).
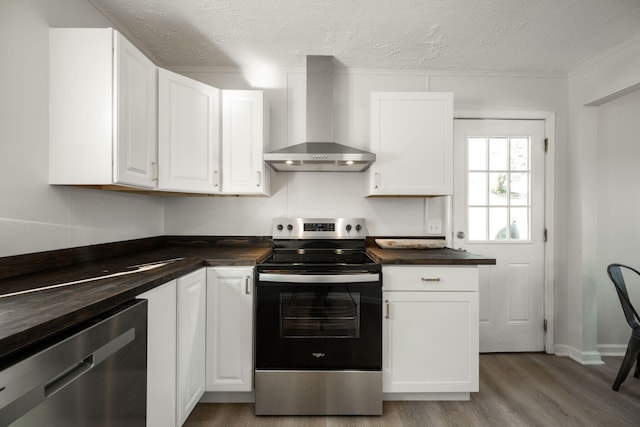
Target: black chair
(615, 272)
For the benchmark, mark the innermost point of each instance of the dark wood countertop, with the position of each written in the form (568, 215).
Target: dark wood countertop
(446, 256)
(28, 318)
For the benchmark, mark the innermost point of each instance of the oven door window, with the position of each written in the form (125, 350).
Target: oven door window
(315, 314)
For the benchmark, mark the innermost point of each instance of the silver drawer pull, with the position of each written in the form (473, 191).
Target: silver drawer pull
(430, 279)
(387, 304)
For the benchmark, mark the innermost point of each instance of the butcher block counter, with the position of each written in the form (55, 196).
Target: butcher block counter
(80, 283)
(444, 256)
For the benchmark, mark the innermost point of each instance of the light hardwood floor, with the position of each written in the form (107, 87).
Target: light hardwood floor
(518, 389)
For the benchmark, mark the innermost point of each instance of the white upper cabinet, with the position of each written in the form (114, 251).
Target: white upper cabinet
(102, 101)
(188, 134)
(412, 137)
(244, 135)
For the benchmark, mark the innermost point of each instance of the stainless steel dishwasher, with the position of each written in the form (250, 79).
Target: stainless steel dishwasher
(92, 375)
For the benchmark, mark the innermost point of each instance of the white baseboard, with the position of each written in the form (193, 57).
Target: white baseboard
(612, 349)
(561, 350)
(585, 357)
(228, 397)
(449, 396)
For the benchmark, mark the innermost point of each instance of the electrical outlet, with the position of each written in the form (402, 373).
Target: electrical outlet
(434, 226)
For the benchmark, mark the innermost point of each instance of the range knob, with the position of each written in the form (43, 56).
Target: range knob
(289, 227)
(349, 227)
(280, 227)
(358, 227)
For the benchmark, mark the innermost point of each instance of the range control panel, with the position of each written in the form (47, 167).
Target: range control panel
(319, 228)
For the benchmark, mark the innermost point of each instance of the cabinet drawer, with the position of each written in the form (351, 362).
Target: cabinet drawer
(428, 278)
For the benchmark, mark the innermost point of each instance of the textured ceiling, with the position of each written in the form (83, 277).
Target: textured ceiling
(545, 36)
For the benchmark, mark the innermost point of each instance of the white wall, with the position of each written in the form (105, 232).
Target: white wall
(597, 104)
(618, 232)
(33, 215)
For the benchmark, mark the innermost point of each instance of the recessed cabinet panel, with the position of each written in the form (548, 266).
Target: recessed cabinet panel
(135, 87)
(229, 329)
(412, 136)
(188, 134)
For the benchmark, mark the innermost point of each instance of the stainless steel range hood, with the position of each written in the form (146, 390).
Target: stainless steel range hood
(320, 153)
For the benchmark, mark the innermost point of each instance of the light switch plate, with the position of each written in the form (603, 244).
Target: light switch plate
(434, 226)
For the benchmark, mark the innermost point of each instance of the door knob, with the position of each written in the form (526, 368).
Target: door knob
(460, 235)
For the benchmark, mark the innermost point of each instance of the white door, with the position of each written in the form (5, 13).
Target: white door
(498, 211)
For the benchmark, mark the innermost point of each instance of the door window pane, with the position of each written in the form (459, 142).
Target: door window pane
(498, 153)
(519, 157)
(477, 223)
(477, 158)
(477, 188)
(520, 224)
(498, 224)
(498, 189)
(519, 189)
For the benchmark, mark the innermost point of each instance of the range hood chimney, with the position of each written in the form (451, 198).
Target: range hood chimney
(320, 153)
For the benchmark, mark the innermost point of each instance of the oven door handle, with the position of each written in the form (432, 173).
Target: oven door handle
(319, 278)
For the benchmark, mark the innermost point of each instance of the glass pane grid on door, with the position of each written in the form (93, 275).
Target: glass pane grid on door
(499, 188)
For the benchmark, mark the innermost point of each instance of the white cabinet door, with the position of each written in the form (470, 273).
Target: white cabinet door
(191, 318)
(161, 355)
(243, 139)
(102, 123)
(188, 134)
(430, 342)
(412, 137)
(229, 329)
(135, 92)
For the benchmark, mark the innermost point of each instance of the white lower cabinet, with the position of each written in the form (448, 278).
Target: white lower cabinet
(175, 348)
(161, 355)
(191, 318)
(430, 332)
(229, 329)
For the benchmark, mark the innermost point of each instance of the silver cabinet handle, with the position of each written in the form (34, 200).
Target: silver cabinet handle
(216, 182)
(386, 302)
(154, 171)
(430, 279)
(246, 284)
(376, 180)
(259, 179)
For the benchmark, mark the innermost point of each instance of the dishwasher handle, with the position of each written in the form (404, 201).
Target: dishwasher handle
(82, 367)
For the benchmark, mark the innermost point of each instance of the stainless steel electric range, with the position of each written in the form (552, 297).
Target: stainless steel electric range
(318, 321)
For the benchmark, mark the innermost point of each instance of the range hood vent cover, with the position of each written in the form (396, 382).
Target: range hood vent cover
(323, 155)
